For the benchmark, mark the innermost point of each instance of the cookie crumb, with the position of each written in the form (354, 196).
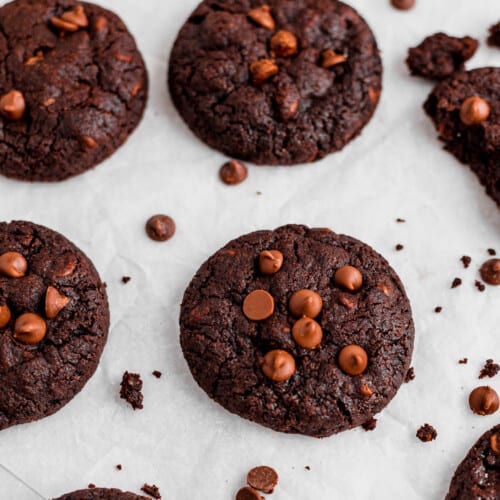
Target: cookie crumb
(258, 193)
(456, 282)
(463, 361)
(410, 375)
(399, 247)
(426, 433)
(130, 391)
(307, 467)
(126, 279)
(157, 374)
(466, 260)
(400, 221)
(480, 286)
(119, 466)
(370, 424)
(494, 36)
(492, 251)
(438, 309)
(151, 490)
(490, 369)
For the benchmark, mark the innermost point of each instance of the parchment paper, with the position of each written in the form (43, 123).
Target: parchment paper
(184, 443)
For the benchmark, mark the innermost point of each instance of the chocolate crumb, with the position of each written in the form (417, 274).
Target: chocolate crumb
(119, 466)
(456, 282)
(401, 221)
(426, 433)
(151, 490)
(370, 424)
(492, 251)
(91, 486)
(157, 374)
(126, 279)
(480, 286)
(466, 260)
(399, 247)
(438, 309)
(307, 467)
(410, 375)
(258, 193)
(463, 361)
(490, 369)
(130, 391)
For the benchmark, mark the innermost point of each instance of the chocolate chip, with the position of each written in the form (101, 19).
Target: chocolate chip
(62, 25)
(89, 142)
(330, 58)
(130, 391)
(283, 44)
(12, 105)
(270, 261)
(160, 227)
(278, 365)
(370, 425)
(490, 369)
(305, 303)
(399, 247)
(233, 172)
(456, 282)
(54, 302)
(403, 4)
(258, 305)
(384, 288)
(247, 493)
(307, 333)
(427, 433)
(76, 16)
(349, 278)
(495, 443)
(4, 315)
(151, 490)
(263, 70)
(438, 309)
(366, 390)
(466, 260)
(483, 400)
(490, 272)
(353, 360)
(263, 478)
(30, 328)
(262, 16)
(13, 265)
(474, 110)
(35, 59)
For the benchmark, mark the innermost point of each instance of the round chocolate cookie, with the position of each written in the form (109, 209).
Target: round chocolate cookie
(101, 494)
(300, 330)
(54, 322)
(273, 81)
(478, 476)
(465, 109)
(73, 86)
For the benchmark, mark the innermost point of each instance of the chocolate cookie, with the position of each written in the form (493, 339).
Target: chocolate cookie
(54, 321)
(300, 330)
(478, 476)
(275, 82)
(465, 109)
(494, 35)
(73, 86)
(101, 494)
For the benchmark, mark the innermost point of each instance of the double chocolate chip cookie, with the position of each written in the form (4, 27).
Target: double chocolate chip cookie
(73, 86)
(54, 322)
(101, 494)
(273, 81)
(300, 330)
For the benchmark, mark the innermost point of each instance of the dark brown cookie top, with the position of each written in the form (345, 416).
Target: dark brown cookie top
(314, 390)
(275, 82)
(57, 322)
(101, 494)
(84, 87)
(465, 109)
(478, 476)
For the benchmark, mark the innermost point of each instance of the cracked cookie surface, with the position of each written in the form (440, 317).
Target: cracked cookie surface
(225, 350)
(37, 379)
(84, 91)
(318, 86)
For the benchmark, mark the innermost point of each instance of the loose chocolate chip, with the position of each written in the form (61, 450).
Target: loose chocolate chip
(307, 333)
(490, 369)
(263, 478)
(438, 309)
(366, 390)
(12, 105)
(233, 172)
(495, 443)
(492, 251)
(384, 288)
(89, 141)
(130, 391)
(399, 247)
(466, 260)
(160, 227)
(278, 365)
(305, 303)
(403, 4)
(76, 16)
(456, 282)
(258, 305)
(474, 110)
(13, 265)
(330, 58)
(370, 425)
(483, 400)
(151, 490)
(353, 359)
(30, 328)
(463, 361)
(349, 278)
(263, 70)
(62, 25)
(4, 315)
(270, 261)
(54, 302)
(35, 59)
(247, 493)
(427, 433)
(262, 16)
(490, 272)
(283, 44)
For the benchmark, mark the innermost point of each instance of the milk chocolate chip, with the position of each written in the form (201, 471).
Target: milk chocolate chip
(270, 261)
(353, 359)
(4, 315)
(330, 58)
(349, 278)
(13, 264)
(263, 70)
(233, 172)
(263, 478)
(258, 305)
(283, 44)
(12, 105)
(474, 110)
(307, 333)
(305, 303)
(30, 328)
(278, 365)
(54, 302)
(262, 16)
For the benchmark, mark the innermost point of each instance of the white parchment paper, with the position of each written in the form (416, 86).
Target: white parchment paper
(184, 443)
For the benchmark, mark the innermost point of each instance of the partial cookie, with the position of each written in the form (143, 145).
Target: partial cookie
(54, 322)
(478, 476)
(465, 109)
(101, 494)
(275, 83)
(440, 55)
(300, 330)
(73, 86)
(494, 36)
